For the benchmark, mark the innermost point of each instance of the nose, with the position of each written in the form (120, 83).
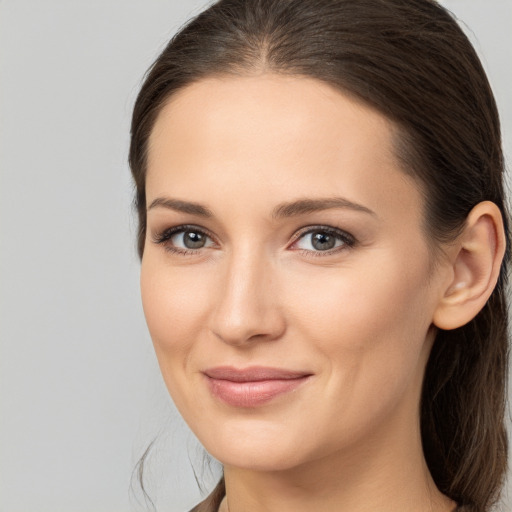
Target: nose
(247, 305)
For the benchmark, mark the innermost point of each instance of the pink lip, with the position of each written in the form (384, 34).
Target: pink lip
(252, 386)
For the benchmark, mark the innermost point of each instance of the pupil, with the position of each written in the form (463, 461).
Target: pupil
(193, 240)
(323, 241)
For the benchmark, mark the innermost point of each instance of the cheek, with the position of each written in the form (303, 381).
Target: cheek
(370, 320)
(174, 302)
(370, 329)
(172, 299)
(356, 300)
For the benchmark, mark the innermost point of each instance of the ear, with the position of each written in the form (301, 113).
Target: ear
(475, 266)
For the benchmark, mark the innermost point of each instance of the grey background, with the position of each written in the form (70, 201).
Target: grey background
(80, 391)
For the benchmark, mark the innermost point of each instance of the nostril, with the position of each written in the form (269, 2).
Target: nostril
(237, 329)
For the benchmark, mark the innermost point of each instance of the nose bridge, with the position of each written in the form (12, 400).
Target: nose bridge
(247, 302)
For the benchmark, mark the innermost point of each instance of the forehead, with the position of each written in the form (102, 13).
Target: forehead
(272, 135)
(275, 109)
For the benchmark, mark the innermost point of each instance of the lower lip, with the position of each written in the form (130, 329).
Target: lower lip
(252, 394)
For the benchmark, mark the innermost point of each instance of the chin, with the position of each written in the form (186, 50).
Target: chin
(257, 447)
(256, 458)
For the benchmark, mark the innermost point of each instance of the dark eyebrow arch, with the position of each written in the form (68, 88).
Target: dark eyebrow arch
(283, 210)
(181, 206)
(304, 206)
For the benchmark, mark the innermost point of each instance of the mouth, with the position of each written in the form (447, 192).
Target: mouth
(253, 386)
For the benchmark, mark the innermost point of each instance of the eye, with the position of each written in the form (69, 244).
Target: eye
(184, 239)
(323, 239)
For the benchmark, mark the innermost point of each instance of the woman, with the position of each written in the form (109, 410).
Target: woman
(324, 245)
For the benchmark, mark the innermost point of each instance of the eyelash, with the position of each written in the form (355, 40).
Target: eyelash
(164, 237)
(348, 240)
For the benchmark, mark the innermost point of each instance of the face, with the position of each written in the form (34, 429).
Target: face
(286, 279)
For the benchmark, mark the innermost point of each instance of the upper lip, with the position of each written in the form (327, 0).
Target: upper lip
(253, 373)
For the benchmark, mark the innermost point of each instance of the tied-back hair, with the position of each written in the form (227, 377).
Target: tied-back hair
(409, 60)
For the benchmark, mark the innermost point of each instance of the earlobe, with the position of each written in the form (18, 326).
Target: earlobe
(475, 267)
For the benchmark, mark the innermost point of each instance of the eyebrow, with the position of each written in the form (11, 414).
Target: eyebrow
(181, 206)
(303, 206)
(283, 210)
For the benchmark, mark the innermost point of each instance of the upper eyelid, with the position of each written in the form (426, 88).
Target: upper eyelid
(330, 229)
(320, 227)
(182, 227)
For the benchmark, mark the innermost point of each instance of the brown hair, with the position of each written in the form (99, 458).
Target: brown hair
(410, 60)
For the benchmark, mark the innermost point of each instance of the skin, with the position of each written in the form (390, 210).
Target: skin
(359, 318)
